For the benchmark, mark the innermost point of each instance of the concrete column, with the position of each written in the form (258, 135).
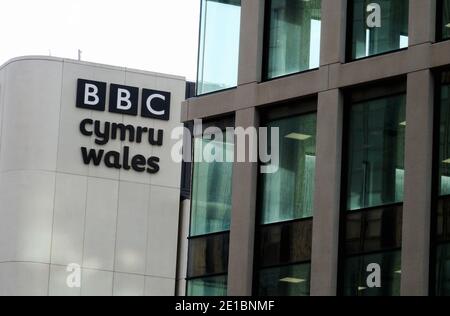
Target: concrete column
(242, 236)
(418, 178)
(332, 48)
(422, 21)
(325, 242)
(251, 41)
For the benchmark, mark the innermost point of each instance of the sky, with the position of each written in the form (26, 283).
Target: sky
(154, 35)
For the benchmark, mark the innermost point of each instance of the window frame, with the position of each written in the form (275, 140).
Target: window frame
(199, 45)
(268, 114)
(349, 38)
(221, 123)
(435, 186)
(266, 48)
(361, 93)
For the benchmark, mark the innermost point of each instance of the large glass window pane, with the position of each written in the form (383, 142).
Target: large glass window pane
(374, 230)
(376, 153)
(443, 220)
(288, 193)
(445, 19)
(285, 243)
(378, 26)
(208, 255)
(294, 36)
(355, 276)
(219, 45)
(443, 270)
(211, 188)
(285, 281)
(444, 137)
(212, 286)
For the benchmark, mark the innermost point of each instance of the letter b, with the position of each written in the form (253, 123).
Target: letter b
(123, 100)
(91, 95)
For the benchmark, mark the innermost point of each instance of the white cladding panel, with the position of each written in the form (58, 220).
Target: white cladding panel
(119, 226)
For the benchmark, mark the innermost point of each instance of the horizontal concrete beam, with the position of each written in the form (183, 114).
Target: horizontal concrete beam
(329, 77)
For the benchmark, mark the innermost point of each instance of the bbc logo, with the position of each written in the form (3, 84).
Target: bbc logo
(91, 95)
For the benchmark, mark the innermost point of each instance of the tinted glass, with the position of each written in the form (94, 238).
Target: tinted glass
(219, 45)
(445, 19)
(444, 137)
(212, 286)
(356, 275)
(443, 270)
(208, 255)
(378, 26)
(376, 149)
(294, 36)
(285, 243)
(285, 281)
(211, 187)
(289, 193)
(374, 230)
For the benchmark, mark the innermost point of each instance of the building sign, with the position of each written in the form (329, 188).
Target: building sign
(91, 95)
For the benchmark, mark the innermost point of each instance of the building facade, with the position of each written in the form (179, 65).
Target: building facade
(89, 192)
(359, 92)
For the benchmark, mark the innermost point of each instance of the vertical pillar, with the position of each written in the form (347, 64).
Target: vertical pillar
(242, 235)
(325, 242)
(418, 181)
(422, 21)
(332, 48)
(251, 41)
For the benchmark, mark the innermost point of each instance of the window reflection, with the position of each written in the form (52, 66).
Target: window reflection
(288, 193)
(294, 36)
(211, 188)
(376, 153)
(378, 26)
(219, 45)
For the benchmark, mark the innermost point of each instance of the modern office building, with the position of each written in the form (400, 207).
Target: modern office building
(360, 93)
(89, 192)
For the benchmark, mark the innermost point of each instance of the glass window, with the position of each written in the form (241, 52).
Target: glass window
(211, 188)
(378, 26)
(356, 275)
(374, 230)
(211, 286)
(285, 281)
(219, 45)
(208, 255)
(293, 36)
(284, 236)
(376, 153)
(288, 193)
(375, 177)
(444, 137)
(445, 31)
(443, 270)
(442, 245)
(285, 243)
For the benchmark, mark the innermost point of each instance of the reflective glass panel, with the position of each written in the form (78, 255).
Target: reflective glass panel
(376, 149)
(293, 36)
(208, 255)
(285, 281)
(211, 186)
(288, 193)
(211, 286)
(219, 45)
(356, 275)
(445, 19)
(378, 26)
(285, 243)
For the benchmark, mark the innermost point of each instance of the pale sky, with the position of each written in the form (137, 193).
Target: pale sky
(154, 35)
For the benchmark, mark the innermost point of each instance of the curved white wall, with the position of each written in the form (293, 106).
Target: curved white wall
(120, 226)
